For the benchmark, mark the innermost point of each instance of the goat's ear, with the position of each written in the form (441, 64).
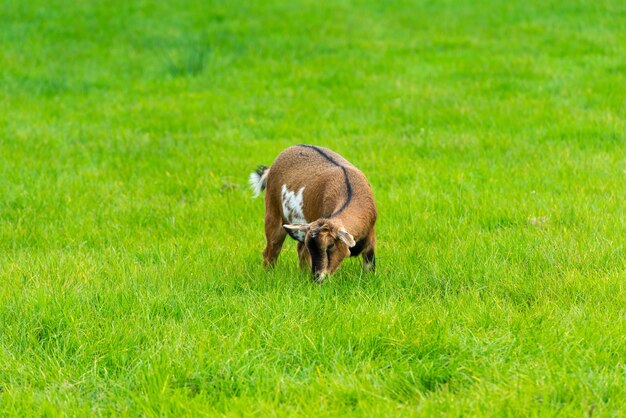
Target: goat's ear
(296, 227)
(346, 238)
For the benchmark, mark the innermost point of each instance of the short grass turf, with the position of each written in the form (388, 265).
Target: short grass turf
(493, 134)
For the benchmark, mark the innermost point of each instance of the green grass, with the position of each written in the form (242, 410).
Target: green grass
(493, 134)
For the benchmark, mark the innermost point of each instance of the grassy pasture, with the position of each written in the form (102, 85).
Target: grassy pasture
(493, 134)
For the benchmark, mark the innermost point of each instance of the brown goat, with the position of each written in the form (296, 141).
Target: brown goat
(322, 201)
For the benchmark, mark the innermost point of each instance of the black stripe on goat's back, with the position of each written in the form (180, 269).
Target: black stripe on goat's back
(322, 153)
(345, 176)
(348, 192)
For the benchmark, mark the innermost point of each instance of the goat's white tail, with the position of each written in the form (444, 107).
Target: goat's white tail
(258, 179)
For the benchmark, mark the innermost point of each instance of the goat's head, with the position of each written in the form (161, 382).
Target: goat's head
(327, 242)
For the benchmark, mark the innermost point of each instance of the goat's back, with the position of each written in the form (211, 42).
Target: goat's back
(328, 181)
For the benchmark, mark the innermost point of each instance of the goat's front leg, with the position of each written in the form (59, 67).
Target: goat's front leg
(304, 257)
(369, 261)
(369, 257)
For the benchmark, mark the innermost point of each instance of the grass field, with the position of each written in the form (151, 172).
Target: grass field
(493, 134)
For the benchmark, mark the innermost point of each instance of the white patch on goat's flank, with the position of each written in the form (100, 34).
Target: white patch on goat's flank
(293, 204)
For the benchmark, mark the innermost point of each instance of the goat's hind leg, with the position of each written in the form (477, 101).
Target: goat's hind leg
(273, 246)
(274, 236)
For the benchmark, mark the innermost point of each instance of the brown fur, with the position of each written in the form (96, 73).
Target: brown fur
(337, 202)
